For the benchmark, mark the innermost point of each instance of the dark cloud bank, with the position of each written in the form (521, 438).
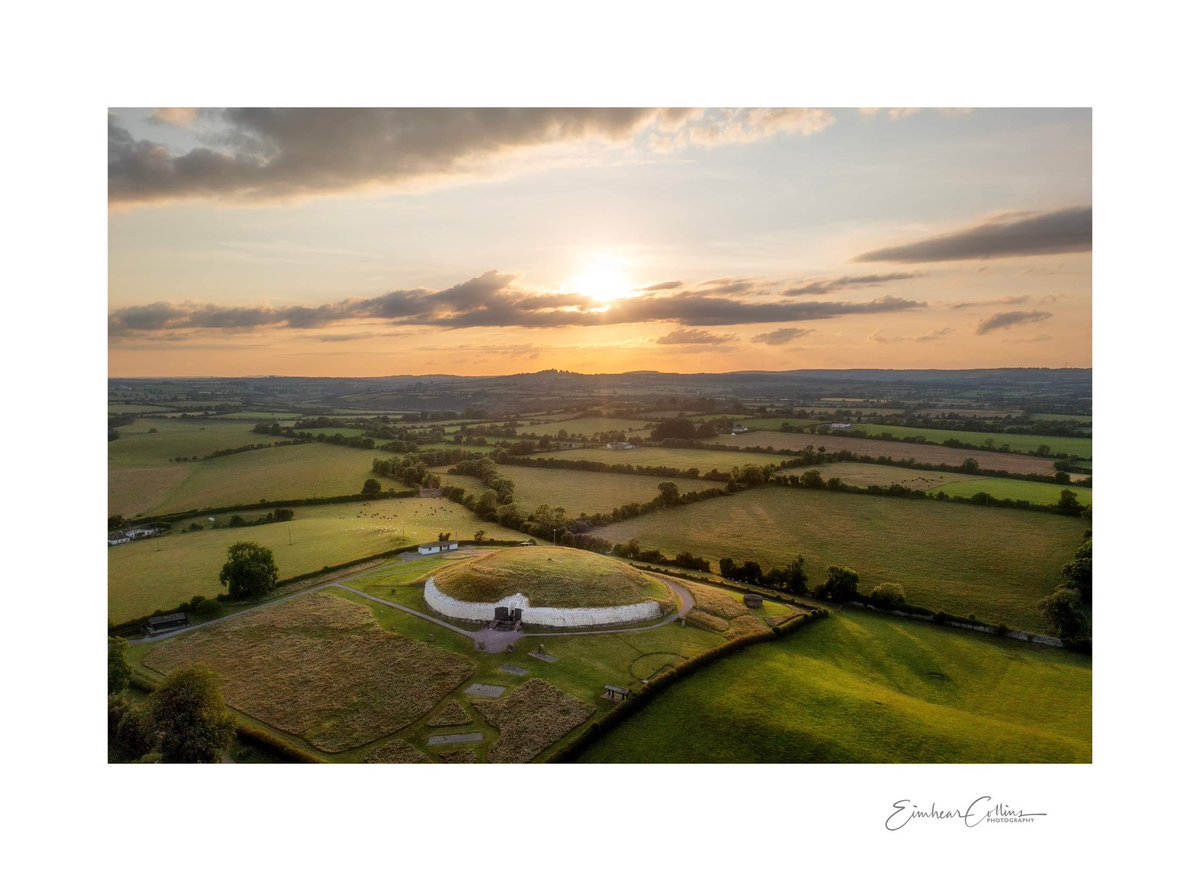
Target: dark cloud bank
(1059, 232)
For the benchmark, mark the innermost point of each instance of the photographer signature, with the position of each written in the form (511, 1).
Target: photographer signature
(979, 811)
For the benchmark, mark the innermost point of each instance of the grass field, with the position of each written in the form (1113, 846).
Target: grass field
(677, 458)
(586, 426)
(578, 492)
(954, 484)
(1033, 492)
(933, 454)
(288, 472)
(857, 687)
(146, 575)
(774, 423)
(993, 562)
(551, 577)
(1075, 447)
(137, 446)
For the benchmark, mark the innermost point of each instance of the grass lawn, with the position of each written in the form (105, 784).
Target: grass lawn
(551, 577)
(858, 687)
(1033, 492)
(676, 458)
(993, 562)
(288, 472)
(774, 423)
(1075, 447)
(585, 426)
(932, 454)
(155, 573)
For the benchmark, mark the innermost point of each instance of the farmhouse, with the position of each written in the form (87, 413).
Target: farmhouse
(840, 425)
(619, 446)
(437, 547)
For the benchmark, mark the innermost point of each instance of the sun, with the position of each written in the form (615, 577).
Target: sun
(604, 282)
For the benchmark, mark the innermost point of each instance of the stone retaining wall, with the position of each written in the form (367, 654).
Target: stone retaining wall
(484, 611)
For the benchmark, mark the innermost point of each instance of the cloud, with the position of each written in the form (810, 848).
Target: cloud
(1005, 320)
(1004, 300)
(1043, 337)
(931, 336)
(693, 337)
(781, 336)
(822, 286)
(494, 299)
(898, 113)
(1020, 234)
(271, 154)
(175, 117)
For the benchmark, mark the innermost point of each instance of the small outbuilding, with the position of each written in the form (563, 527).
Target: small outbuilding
(166, 623)
(753, 600)
(437, 547)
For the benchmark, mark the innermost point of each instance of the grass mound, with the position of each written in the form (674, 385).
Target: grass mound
(533, 717)
(551, 577)
(320, 667)
(396, 752)
(453, 714)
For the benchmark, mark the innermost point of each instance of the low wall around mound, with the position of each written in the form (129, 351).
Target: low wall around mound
(485, 611)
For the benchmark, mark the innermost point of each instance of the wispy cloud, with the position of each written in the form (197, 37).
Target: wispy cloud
(822, 286)
(494, 299)
(932, 336)
(693, 337)
(781, 336)
(1013, 235)
(1005, 320)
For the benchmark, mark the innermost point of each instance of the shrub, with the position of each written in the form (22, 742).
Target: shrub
(887, 595)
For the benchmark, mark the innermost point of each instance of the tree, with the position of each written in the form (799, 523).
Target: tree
(811, 478)
(840, 586)
(1078, 572)
(250, 570)
(795, 577)
(669, 492)
(1063, 610)
(887, 595)
(118, 668)
(371, 487)
(188, 712)
(970, 465)
(479, 535)
(674, 428)
(1068, 503)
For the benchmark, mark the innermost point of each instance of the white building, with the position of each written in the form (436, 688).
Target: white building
(437, 547)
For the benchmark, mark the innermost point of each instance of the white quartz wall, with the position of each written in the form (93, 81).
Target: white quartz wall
(485, 611)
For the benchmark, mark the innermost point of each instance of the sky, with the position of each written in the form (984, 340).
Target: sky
(363, 242)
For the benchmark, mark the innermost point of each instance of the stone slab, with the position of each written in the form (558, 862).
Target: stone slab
(487, 691)
(514, 670)
(458, 738)
(544, 657)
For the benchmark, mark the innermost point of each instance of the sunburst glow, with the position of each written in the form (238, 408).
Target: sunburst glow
(603, 281)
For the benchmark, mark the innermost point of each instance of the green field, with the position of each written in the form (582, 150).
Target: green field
(934, 455)
(676, 458)
(289, 472)
(155, 573)
(857, 687)
(1033, 492)
(137, 446)
(952, 483)
(585, 426)
(1075, 447)
(578, 492)
(774, 423)
(993, 562)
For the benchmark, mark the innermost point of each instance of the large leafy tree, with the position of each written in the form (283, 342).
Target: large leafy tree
(118, 668)
(840, 586)
(188, 713)
(250, 570)
(1063, 609)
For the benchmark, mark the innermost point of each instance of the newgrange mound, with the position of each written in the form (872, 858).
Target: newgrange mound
(553, 586)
